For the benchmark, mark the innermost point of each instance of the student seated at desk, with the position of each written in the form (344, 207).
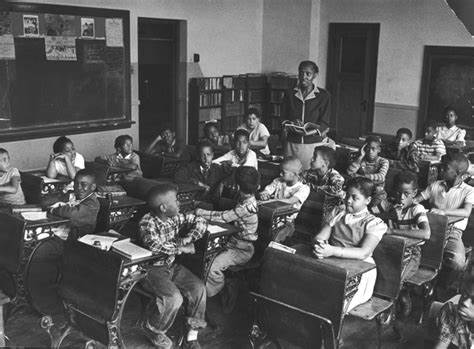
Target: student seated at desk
(203, 173)
(258, 132)
(82, 207)
(241, 155)
(430, 148)
(374, 167)
(323, 178)
(212, 135)
(402, 151)
(353, 233)
(165, 144)
(64, 161)
(452, 197)
(240, 248)
(124, 157)
(10, 182)
(168, 280)
(449, 133)
(455, 322)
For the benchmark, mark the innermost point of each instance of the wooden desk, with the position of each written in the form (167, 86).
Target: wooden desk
(106, 174)
(37, 187)
(454, 219)
(272, 216)
(116, 213)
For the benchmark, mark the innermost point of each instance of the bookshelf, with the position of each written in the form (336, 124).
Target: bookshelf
(277, 84)
(233, 102)
(256, 93)
(205, 101)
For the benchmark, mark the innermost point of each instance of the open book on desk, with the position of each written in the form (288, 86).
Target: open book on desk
(308, 129)
(130, 250)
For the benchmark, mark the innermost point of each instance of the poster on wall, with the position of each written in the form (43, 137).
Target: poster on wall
(5, 23)
(59, 25)
(114, 32)
(87, 27)
(60, 48)
(30, 25)
(7, 47)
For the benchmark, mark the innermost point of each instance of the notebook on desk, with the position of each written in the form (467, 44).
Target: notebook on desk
(130, 250)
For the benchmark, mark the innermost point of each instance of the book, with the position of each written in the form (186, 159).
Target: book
(130, 250)
(34, 216)
(114, 189)
(278, 246)
(307, 129)
(99, 241)
(26, 208)
(214, 229)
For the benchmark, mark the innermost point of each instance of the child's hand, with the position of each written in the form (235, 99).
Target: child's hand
(438, 211)
(264, 196)
(323, 250)
(189, 248)
(186, 240)
(362, 151)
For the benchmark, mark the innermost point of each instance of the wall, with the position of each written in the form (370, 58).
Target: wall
(286, 34)
(406, 26)
(226, 33)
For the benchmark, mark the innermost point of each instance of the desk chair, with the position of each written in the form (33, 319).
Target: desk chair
(429, 322)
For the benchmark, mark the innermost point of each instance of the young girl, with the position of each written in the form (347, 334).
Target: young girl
(450, 133)
(323, 178)
(124, 157)
(258, 132)
(241, 155)
(64, 161)
(353, 233)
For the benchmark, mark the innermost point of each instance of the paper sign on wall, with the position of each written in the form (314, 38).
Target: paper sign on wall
(114, 32)
(60, 48)
(7, 47)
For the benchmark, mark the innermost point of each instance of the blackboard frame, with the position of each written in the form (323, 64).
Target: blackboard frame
(431, 53)
(56, 129)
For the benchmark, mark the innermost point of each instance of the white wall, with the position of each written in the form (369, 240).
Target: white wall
(226, 33)
(406, 26)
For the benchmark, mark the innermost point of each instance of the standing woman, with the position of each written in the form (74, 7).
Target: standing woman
(258, 132)
(305, 103)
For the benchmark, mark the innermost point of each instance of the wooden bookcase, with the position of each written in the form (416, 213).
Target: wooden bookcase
(233, 102)
(274, 114)
(256, 93)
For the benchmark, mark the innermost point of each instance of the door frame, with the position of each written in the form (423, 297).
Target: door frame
(179, 83)
(373, 30)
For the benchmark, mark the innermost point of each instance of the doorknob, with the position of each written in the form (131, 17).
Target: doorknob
(147, 89)
(363, 105)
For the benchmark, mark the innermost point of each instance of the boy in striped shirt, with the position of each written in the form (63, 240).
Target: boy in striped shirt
(374, 167)
(430, 148)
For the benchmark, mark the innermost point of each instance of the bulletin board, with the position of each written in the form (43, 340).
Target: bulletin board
(63, 70)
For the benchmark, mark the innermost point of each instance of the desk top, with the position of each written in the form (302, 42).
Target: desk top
(51, 219)
(123, 201)
(153, 258)
(410, 241)
(182, 187)
(116, 169)
(229, 229)
(454, 219)
(42, 174)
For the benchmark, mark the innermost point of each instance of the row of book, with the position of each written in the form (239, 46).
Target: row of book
(275, 110)
(207, 114)
(276, 96)
(234, 109)
(210, 99)
(256, 96)
(231, 96)
(210, 83)
(230, 124)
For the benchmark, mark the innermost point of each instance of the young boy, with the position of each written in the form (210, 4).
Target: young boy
(449, 133)
(455, 322)
(452, 197)
(165, 144)
(430, 148)
(241, 155)
(374, 167)
(401, 152)
(10, 180)
(124, 157)
(168, 280)
(240, 248)
(203, 173)
(83, 206)
(323, 178)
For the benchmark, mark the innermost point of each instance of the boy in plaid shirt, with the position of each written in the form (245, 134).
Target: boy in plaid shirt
(240, 248)
(170, 281)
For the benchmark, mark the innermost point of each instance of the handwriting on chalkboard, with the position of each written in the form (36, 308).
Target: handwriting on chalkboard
(93, 51)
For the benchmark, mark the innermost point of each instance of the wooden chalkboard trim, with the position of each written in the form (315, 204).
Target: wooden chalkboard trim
(48, 131)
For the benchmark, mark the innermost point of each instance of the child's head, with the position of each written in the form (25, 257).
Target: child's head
(291, 169)
(124, 144)
(206, 153)
(248, 179)
(359, 191)
(307, 72)
(450, 116)
(403, 137)
(466, 302)
(373, 146)
(453, 166)
(84, 183)
(241, 142)
(168, 135)
(4, 159)
(64, 145)
(323, 158)
(163, 199)
(253, 118)
(211, 132)
(406, 186)
(430, 131)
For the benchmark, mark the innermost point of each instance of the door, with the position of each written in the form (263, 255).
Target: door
(159, 77)
(351, 77)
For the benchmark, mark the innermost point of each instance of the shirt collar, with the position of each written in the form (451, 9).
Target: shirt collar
(360, 213)
(311, 95)
(126, 157)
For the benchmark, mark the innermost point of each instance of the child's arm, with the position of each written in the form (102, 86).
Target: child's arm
(150, 149)
(12, 186)
(334, 186)
(228, 216)
(51, 171)
(156, 241)
(381, 173)
(269, 190)
(464, 211)
(71, 170)
(227, 157)
(354, 166)
(324, 233)
(423, 232)
(198, 227)
(128, 164)
(424, 195)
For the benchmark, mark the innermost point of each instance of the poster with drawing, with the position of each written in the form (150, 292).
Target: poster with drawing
(30, 25)
(60, 48)
(87, 27)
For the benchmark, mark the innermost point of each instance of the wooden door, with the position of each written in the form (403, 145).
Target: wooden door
(351, 76)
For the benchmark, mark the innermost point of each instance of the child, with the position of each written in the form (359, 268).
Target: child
(402, 152)
(168, 280)
(323, 178)
(165, 144)
(212, 135)
(430, 148)
(374, 167)
(203, 173)
(10, 182)
(83, 206)
(64, 161)
(241, 155)
(258, 132)
(452, 197)
(124, 157)
(240, 248)
(450, 134)
(455, 321)
(354, 233)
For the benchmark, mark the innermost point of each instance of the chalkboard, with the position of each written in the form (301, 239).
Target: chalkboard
(448, 80)
(63, 70)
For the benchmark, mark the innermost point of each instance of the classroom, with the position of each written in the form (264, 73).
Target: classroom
(236, 174)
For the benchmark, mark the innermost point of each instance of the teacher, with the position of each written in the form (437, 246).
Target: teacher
(305, 103)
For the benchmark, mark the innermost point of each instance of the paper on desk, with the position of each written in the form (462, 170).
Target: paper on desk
(214, 229)
(34, 216)
(105, 241)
